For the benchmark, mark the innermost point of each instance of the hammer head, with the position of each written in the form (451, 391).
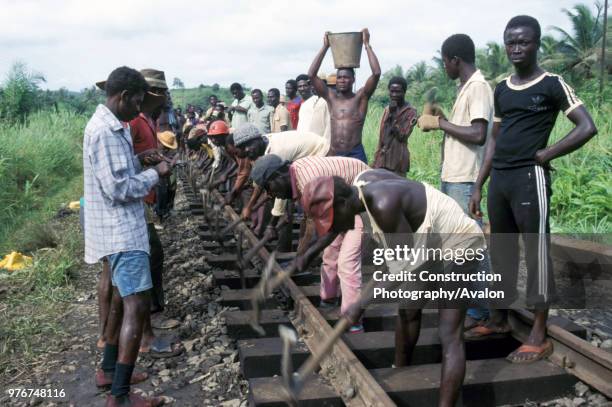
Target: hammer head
(259, 295)
(291, 380)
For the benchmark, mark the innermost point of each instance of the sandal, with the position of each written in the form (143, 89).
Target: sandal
(162, 348)
(164, 323)
(533, 352)
(470, 323)
(483, 331)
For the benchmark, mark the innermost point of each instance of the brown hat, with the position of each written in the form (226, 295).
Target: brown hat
(331, 79)
(318, 203)
(197, 131)
(155, 78)
(168, 139)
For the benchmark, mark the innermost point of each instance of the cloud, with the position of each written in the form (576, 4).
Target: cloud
(260, 43)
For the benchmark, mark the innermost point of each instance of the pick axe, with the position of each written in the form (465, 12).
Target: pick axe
(289, 337)
(294, 381)
(227, 229)
(260, 292)
(244, 262)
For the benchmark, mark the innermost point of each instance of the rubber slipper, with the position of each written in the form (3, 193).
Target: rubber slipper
(483, 331)
(162, 348)
(165, 323)
(470, 323)
(537, 352)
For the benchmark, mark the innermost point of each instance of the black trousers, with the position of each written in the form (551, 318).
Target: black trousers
(156, 261)
(518, 203)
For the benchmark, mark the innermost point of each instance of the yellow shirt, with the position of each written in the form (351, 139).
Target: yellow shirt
(462, 160)
(280, 118)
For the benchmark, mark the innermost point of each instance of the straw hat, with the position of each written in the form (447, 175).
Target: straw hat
(168, 139)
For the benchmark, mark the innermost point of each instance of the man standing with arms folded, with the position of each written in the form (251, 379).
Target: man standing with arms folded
(518, 159)
(347, 109)
(465, 132)
(115, 227)
(396, 125)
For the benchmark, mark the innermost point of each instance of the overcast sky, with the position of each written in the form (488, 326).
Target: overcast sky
(259, 43)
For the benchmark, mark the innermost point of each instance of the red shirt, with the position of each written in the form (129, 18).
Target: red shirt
(293, 106)
(144, 138)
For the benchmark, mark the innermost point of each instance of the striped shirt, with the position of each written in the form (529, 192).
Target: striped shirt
(114, 188)
(306, 169)
(293, 145)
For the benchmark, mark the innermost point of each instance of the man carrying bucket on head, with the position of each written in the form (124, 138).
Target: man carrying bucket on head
(347, 108)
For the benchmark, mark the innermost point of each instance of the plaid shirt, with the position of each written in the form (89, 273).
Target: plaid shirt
(115, 186)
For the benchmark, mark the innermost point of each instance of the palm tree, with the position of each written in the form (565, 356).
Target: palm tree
(419, 73)
(493, 62)
(580, 49)
(551, 56)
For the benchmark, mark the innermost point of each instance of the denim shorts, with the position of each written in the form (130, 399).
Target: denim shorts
(130, 272)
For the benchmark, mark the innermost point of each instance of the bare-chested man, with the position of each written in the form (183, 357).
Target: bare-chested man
(348, 109)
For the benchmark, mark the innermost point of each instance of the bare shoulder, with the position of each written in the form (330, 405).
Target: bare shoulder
(378, 175)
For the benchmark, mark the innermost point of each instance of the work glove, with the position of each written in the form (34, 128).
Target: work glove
(428, 122)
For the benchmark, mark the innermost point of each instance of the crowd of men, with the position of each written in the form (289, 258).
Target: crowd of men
(304, 149)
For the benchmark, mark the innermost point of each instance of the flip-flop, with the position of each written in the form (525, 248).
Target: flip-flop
(162, 348)
(471, 323)
(537, 352)
(165, 323)
(483, 331)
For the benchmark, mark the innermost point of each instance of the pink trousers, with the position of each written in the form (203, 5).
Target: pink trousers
(342, 267)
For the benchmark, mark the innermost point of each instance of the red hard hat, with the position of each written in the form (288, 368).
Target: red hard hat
(218, 128)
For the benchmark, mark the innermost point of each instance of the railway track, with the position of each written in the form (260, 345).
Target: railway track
(358, 371)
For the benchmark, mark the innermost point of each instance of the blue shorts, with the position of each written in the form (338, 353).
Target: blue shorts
(130, 272)
(357, 152)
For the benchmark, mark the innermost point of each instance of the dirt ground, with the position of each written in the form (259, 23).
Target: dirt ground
(206, 373)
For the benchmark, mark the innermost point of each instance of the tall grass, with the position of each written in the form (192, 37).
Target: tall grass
(582, 186)
(39, 161)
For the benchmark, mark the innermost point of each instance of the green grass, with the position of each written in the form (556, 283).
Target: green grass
(40, 168)
(40, 171)
(582, 185)
(31, 311)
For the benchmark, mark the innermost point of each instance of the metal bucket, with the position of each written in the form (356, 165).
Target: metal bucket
(346, 49)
